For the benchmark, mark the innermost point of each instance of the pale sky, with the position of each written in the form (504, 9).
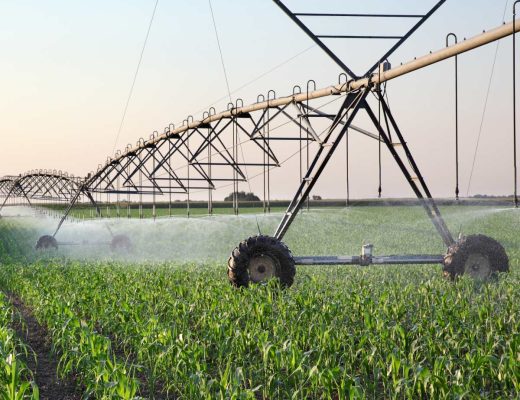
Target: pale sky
(67, 67)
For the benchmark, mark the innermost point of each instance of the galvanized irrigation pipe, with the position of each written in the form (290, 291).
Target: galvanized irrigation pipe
(377, 78)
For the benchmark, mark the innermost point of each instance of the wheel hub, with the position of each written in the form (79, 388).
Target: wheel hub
(477, 266)
(46, 242)
(262, 268)
(121, 242)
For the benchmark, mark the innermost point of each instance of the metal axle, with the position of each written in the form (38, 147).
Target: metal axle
(367, 258)
(376, 260)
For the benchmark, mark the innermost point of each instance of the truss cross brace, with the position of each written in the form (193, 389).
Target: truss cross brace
(81, 190)
(353, 103)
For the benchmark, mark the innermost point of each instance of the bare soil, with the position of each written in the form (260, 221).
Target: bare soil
(46, 363)
(44, 367)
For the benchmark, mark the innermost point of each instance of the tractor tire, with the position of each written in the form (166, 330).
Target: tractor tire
(121, 243)
(46, 242)
(259, 259)
(478, 256)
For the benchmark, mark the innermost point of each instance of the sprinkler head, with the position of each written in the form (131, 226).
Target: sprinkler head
(366, 254)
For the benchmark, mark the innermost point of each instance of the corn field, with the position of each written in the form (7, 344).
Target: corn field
(127, 330)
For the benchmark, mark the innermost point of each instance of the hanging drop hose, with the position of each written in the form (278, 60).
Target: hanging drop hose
(379, 189)
(457, 191)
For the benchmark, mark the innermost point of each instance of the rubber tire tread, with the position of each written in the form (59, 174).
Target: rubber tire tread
(46, 242)
(238, 271)
(458, 253)
(121, 243)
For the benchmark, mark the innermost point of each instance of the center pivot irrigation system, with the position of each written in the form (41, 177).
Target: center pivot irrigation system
(54, 186)
(232, 145)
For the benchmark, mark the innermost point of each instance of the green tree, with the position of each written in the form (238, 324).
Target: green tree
(242, 196)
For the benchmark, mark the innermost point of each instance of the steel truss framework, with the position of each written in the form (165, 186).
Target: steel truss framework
(212, 153)
(43, 185)
(245, 141)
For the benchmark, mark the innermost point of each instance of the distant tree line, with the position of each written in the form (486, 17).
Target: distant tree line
(488, 196)
(242, 196)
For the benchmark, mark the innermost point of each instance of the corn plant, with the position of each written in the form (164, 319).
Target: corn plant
(15, 379)
(82, 351)
(338, 333)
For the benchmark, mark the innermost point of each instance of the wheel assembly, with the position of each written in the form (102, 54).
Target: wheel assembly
(259, 259)
(478, 256)
(46, 242)
(121, 243)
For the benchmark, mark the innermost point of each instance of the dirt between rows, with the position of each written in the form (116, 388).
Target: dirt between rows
(45, 366)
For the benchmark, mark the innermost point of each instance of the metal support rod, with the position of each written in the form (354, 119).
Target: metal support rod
(307, 153)
(315, 39)
(118, 198)
(387, 55)
(379, 188)
(210, 189)
(67, 211)
(429, 204)
(8, 196)
(264, 176)
(128, 207)
(347, 166)
(81, 189)
(268, 169)
(234, 157)
(307, 148)
(140, 195)
(188, 174)
(456, 116)
(15, 185)
(321, 114)
(154, 210)
(169, 180)
(300, 152)
(359, 37)
(306, 14)
(352, 103)
(92, 201)
(25, 195)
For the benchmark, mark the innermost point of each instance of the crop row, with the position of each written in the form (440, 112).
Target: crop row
(336, 334)
(82, 351)
(16, 381)
(339, 332)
